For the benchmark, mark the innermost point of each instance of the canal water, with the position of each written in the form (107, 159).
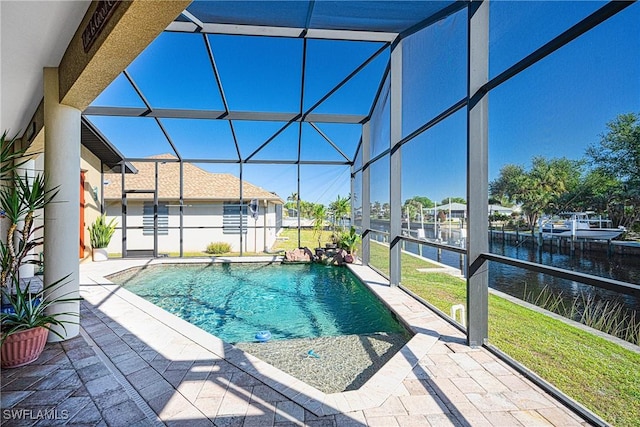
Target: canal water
(516, 281)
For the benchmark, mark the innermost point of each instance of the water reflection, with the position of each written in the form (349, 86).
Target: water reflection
(516, 281)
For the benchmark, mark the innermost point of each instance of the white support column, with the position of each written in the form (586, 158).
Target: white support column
(62, 168)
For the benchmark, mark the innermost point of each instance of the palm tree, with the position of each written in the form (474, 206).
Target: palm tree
(412, 208)
(319, 214)
(341, 208)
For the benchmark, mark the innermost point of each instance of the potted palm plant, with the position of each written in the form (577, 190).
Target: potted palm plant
(24, 324)
(100, 233)
(349, 241)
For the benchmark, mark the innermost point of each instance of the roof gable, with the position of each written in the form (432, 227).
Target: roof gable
(198, 184)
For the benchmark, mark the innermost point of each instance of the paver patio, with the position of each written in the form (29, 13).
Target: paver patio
(136, 365)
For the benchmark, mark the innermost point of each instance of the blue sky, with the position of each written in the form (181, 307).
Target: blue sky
(556, 108)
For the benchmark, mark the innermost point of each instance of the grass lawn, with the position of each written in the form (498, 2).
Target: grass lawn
(306, 239)
(380, 259)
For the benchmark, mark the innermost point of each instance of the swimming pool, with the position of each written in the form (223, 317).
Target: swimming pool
(234, 301)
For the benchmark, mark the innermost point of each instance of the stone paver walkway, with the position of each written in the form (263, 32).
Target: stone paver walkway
(159, 370)
(68, 384)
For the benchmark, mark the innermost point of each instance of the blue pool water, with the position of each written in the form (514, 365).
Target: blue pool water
(235, 301)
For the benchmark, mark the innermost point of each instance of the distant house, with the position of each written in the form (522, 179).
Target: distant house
(459, 210)
(494, 209)
(210, 210)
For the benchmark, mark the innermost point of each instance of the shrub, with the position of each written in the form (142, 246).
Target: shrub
(100, 232)
(217, 248)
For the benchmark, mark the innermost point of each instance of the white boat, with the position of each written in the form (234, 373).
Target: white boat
(579, 224)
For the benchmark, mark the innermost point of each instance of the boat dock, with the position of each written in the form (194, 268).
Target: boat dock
(549, 240)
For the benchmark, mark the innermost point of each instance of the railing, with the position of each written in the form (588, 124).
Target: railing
(587, 279)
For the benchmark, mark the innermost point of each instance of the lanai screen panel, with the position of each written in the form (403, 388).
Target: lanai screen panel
(380, 214)
(175, 72)
(381, 122)
(202, 139)
(433, 171)
(323, 183)
(134, 137)
(518, 28)
(380, 173)
(393, 17)
(258, 73)
(357, 204)
(209, 190)
(120, 93)
(339, 75)
(434, 69)
(543, 121)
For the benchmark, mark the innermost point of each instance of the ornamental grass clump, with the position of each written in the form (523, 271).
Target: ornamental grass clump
(217, 248)
(610, 317)
(100, 232)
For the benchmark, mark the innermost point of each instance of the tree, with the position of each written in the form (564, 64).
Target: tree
(539, 190)
(505, 186)
(307, 209)
(616, 170)
(341, 208)
(424, 201)
(319, 214)
(618, 151)
(292, 202)
(446, 200)
(376, 209)
(412, 207)
(386, 210)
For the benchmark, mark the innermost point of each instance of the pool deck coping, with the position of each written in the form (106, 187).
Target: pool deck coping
(372, 394)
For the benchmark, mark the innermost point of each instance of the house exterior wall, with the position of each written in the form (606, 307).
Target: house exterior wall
(203, 224)
(92, 199)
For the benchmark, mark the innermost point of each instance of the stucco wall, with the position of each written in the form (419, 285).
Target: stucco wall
(92, 181)
(206, 220)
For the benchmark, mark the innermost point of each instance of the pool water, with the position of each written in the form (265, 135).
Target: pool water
(236, 301)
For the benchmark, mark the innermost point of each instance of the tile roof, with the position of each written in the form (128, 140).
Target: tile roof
(198, 183)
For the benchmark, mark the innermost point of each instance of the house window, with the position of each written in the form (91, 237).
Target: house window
(231, 218)
(163, 219)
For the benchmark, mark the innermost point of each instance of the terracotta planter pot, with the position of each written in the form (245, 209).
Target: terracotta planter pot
(24, 347)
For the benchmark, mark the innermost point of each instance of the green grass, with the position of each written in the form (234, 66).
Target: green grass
(306, 239)
(379, 258)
